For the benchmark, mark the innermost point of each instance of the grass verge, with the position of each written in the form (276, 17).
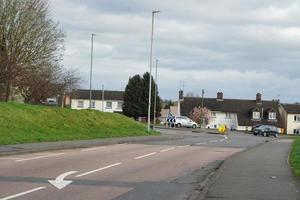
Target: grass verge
(21, 123)
(295, 156)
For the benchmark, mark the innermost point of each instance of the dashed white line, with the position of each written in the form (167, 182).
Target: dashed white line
(94, 148)
(100, 169)
(143, 156)
(201, 143)
(38, 157)
(23, 193)
(168, 149)
(183, 146)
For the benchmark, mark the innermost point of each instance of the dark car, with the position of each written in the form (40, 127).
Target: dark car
(266, 131)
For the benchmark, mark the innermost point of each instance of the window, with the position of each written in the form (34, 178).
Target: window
(93, 104)
(256, 115)
(109, 104)
(228, 116)
(120, 105)
(272, 115)
(213, 114)
(297, 118)
(296, 131)
(80, 104)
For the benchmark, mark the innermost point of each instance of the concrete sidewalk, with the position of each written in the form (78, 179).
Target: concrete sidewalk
(46, 146)
(259, 173)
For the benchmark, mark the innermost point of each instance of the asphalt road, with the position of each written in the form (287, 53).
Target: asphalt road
(150, 170)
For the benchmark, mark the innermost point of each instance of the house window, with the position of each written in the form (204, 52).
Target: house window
(296, 131)
(272, 115)
(80, 104)
(297, 118)
(213, 114)
(120, 105)
(109, 105)
(93, 104)
(256, 115)
(228, 116)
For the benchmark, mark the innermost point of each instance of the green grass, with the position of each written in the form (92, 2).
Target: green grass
(295, 156)
(22, 123)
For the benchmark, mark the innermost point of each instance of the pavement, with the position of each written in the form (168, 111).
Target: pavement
(260, 173)
(168, 168)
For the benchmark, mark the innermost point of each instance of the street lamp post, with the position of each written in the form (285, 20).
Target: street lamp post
(91, 71)
(155, 94)
(150, 78)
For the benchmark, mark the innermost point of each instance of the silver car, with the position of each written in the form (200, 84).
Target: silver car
(183, 121)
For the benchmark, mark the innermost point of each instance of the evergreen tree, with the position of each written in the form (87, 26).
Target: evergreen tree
(136, 97)
(132, 97)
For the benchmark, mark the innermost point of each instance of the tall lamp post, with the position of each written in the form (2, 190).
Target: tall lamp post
(91, 71)
(155, 94)
(150, 79)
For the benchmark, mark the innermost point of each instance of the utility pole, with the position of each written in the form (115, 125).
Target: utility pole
(150, 78)
(91, 71)
(102, 98)
(155, 94)
(202, 96)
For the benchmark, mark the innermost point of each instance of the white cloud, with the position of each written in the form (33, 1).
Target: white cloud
(239, 47)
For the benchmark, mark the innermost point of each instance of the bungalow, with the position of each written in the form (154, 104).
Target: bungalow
(106, 101)
(236, 114)
(291, 118)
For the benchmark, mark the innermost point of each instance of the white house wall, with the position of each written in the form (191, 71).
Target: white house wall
(220, 119)
(98, 105)
(292, 124)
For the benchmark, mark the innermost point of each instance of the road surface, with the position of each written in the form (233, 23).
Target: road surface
(149, 170)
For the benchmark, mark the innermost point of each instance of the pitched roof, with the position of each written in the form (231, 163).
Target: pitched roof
(292, 108)
(241, 107)
(97, 95)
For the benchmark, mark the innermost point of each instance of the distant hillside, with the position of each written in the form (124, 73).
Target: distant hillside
(21, 123)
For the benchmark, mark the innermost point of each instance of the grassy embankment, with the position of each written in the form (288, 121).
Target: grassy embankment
(21, 123)
(295, 156)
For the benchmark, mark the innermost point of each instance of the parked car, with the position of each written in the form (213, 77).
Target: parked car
(183, 121)
(266, 131)
(255, 127)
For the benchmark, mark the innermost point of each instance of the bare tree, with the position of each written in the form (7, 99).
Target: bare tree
(30, 42)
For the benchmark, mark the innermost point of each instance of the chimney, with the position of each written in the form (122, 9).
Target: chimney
(180, 95)
(258, 98)
(220, 96)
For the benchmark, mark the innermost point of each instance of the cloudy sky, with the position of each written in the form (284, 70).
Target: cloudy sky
(239, 47)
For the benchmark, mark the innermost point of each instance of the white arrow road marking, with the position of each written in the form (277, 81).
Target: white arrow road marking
(225, 138)
(23, 193)
(168, 149)
(38, 157)
(59, 182)
(100, 169)
(183, 146)
(143, 156)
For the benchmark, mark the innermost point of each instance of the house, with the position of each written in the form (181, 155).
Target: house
(291, 118)
(106, 101)
(237, 114)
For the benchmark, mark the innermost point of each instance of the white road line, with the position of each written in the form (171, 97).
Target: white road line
(143, 156)
(23, 193)
(100, 169)
(38, 157)
(94, 148)
(201, 143)
(183, 146)
(168, 149)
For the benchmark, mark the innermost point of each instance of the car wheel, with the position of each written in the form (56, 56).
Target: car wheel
(178, 125)
(265, 134)
(194, 126)
(255, 134)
